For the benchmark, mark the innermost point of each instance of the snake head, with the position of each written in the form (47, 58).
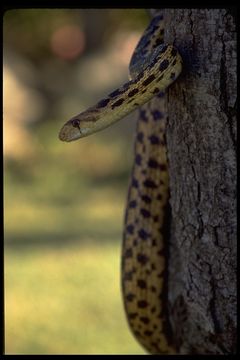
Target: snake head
(77, 127)
(71, 130)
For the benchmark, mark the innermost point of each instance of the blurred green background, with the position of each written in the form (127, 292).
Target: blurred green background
(64, 202)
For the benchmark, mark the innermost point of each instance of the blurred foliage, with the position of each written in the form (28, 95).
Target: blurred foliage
(29, 25)
(33, 27)
(64, 203)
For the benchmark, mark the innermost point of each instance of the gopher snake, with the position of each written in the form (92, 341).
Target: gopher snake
(153, 67)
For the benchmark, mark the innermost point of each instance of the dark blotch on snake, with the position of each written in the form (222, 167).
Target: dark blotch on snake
(116, 92)
(132, 315)
(142, 304)
(172, 76)
(141, 283)
(133, 92)
(142, 259)
(163, 167)
(144, 319)
(164, 64)
(150, 184)
(145, 213)
(155, 91)
(134, 183)
(143, 115)
(154, 139)
(174, 62)
(143, 234)
(128, 253)
(130, 297)
(146, 199)
(152, 163)
(136, 332)
(117, 103)
(130, 229)
(157, 115)
(148, 80)
(133, 204)
(103, 103)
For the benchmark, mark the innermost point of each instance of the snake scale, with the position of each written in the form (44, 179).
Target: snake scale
(153, 67)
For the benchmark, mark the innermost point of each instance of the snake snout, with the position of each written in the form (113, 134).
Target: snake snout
(71, 130)
(63, 134)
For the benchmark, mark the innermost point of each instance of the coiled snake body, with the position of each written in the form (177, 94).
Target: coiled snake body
(153, 67)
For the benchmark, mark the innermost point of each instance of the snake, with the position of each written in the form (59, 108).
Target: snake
(154, 66)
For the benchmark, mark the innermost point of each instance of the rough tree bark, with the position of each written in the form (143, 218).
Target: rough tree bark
(201, 141)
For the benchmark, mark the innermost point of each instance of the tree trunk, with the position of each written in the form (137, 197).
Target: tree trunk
(201, 141)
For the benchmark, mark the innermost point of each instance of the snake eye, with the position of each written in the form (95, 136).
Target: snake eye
(76, 123)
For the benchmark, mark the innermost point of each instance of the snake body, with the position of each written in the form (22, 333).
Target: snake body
(153, 67)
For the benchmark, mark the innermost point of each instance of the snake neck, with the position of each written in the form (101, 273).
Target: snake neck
(164, 66)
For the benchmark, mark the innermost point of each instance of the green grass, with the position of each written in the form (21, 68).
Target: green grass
(66, 301)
